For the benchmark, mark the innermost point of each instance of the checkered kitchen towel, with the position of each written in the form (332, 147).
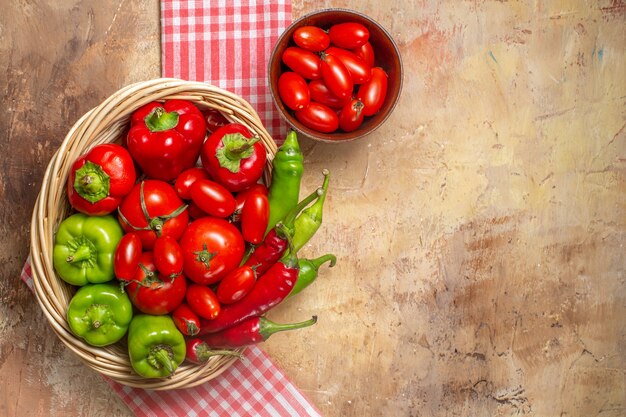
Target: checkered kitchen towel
(227, 43)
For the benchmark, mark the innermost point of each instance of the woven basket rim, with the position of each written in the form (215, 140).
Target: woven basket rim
(106, 123)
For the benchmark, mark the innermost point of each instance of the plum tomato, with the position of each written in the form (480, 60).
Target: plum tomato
(359, 71)
(168, 256)
(311, 38)
(186, 178)
(373, 92)
(321, 94)
(366, 53)
(305, 63)
(348, 35)
(351, 116)
(318, 117)
(336, 76)
(126, 257)
(203, 301)
(212, 198)
(234, 286)
(255, 216)
(293, 90)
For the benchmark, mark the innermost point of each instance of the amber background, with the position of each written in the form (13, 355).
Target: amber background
(480, 232)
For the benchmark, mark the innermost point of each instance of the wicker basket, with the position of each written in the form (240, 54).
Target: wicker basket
(107, 123)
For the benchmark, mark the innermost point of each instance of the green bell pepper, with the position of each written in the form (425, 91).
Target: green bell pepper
(155, 346)
(84, 248)
(100, 313)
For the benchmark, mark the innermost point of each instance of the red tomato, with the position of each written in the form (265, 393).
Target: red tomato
(126, 258)
(203, 301)
(318, 117)
(293, 90)
(321, 94)
(373, 92)
(154, 293)
(359, 71)
(305, 63)
(212, 198)
(348, 35)
(351, 116)
(240, 198)
(311, 38)
(236, 285)
(165, 214)
(211, 247)
(255, 215)
(336, 76)
(195, 212)
(186, 320)
(186, 178)
(366, 53)
(214, 119)
(168, 257)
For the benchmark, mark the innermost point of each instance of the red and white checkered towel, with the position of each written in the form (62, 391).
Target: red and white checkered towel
(226, 43)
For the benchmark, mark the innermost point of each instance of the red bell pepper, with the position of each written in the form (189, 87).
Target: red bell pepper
(165, 138)
(100, 179)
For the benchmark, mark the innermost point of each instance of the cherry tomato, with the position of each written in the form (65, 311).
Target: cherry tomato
(351, 116)
(318, 117)
(186, 178)
(165, 214)
(236, 285)
(305, 63)
(336, 76)
(126, 258)
(211, 247)
(214, 119)
(311, 38)
(154, 293)
(195, 212)
(240, 198)
(293, 90)
(203, 301)
(366, 53)
(321, 94)
(348, 35)
(255, 215)
(186, 320)
(373, 92)
(168, 256)
(212, 198)
(359, 71)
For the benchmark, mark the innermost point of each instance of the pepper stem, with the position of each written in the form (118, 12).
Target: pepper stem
(81, 253)
(317, 262)
(293, 213)
(158, 120)
(204, 352)
(161, 357)
(290, 258)
(97, 315)
(91, 182)
(268, 328)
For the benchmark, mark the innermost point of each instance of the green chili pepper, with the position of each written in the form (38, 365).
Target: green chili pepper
(309, 269)
(155, 346)
(310, 220)
(84, 248)
(100, 313)
(287, 171)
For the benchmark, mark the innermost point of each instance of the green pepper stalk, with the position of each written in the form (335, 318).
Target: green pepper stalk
(84, 248)
(100, 314)
(310, 220)
(155, 346)
(309, 270)
(287, 171)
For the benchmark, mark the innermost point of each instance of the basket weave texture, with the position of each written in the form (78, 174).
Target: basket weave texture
(105, 123)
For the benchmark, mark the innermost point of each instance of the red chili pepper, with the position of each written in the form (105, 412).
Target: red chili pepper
(270, 289)
(249, 332)
(275, 243)
(198, 352)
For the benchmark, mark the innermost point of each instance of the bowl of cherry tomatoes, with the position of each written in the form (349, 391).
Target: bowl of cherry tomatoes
(335, 75)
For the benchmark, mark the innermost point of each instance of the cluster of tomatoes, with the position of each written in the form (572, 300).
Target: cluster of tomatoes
(186, 224)
(332, 82)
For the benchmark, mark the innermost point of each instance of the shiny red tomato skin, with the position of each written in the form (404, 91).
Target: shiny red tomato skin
(351, 116)
(311, 38)
(161, 200)
(255, 215)
(186, 178)
(154, 293)
(186, 320)
(126, 257)
(203, 301)
(373, 92)
(293, 90)
(318, 117)
(240, 198)
(211, 247)
(321, 94)
(236, 285)
(212, 198)
(348, 35)
(195, 212)
(303, 62)
(336, 76)
(366, 53)
(168, 256)
(359, 71)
